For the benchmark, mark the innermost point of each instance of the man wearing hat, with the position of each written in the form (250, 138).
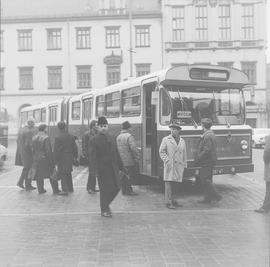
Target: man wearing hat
(206, 158)
(106, 162)
(130, 157)
(24, 155)
(172, 151)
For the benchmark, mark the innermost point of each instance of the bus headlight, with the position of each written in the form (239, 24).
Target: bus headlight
(244, 144)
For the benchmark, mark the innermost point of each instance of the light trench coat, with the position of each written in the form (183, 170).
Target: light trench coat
(174, 158)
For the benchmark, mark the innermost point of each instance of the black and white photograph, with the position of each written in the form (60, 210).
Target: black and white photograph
(135, 133)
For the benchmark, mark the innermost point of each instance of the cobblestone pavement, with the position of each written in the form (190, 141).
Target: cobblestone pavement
(48, 230)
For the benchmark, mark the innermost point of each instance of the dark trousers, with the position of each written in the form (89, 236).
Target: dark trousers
(91, 182)
(106, 198)
(126, 179)
(66, 182)
(40, 185)
(23, 178)
(266, 202)
(206, 176)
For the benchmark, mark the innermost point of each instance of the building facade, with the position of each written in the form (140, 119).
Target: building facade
(54, 49)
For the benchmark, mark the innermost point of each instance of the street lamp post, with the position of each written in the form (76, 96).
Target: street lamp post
(130, 38)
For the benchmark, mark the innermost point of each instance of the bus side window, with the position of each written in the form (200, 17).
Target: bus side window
(43, 115)
(87, 110)
(36, 115)
(100, 106)
(30, 114)
(53, 114)
(113, 105)
(131, 102)
(165, 114)
(76, 110)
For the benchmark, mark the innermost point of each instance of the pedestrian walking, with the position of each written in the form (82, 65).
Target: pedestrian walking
(91, 182)
(173, 153)
(24, 154)
(130, 157)
(206, 158)
(105, 161)
(65, 152)
(43, 163)
(266, 158)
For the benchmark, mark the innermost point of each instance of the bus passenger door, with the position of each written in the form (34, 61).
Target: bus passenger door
(149, 132)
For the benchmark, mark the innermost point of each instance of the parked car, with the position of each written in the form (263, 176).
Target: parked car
(3, 155)
(258, 137)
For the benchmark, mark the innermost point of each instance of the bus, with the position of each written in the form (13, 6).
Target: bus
(185, 94)
(3, 126)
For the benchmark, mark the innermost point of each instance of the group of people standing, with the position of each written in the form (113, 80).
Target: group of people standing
(40, 161)
(173, 153)
(105, 156)
(115, 161)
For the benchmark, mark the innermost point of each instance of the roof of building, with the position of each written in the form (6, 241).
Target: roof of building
(63, 8)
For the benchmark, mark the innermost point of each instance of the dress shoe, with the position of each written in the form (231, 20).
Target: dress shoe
(42, 192)
(204, 201)
(170, 206)
(261, 210)
(20, 185)
(30, 188)
(176, 204)
(62, 193)
(90, 191)
(217, 198)
(131, 193)
(56, 192)
(96, 190)
(106, 214)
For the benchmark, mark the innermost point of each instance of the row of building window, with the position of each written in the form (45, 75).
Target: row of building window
(142, 32)
(83, 76)
(224, 23)
(83, 38)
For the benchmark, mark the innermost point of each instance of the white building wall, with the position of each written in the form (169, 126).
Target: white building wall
(69, 57)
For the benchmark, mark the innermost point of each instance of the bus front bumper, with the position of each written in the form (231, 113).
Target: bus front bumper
(225, 169)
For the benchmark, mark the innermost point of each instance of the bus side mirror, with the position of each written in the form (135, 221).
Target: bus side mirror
(154, 98)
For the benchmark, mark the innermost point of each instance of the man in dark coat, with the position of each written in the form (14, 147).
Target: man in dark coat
(43, 163)
(106, 162)
(24, 155)
(206, 158)
(91, 182)
(65, 151)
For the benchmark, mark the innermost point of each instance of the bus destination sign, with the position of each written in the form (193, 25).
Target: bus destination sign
(183, 114)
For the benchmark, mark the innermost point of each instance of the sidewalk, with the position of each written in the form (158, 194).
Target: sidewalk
(48, 230)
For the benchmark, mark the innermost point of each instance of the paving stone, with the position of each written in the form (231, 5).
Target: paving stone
(70, 231)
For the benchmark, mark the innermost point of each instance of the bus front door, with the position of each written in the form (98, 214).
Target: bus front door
(149, 132)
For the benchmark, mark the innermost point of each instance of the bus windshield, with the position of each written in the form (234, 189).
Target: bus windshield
(188, 105)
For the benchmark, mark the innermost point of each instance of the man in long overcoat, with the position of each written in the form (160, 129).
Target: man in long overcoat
(91, 182)
(106, 162)
(24, 155)
(43, 163)
(266, 158)
(65, 152)
(173, 153)
(206, 158)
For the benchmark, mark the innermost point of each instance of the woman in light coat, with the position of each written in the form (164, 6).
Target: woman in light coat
(266, 158)
(173, 153)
